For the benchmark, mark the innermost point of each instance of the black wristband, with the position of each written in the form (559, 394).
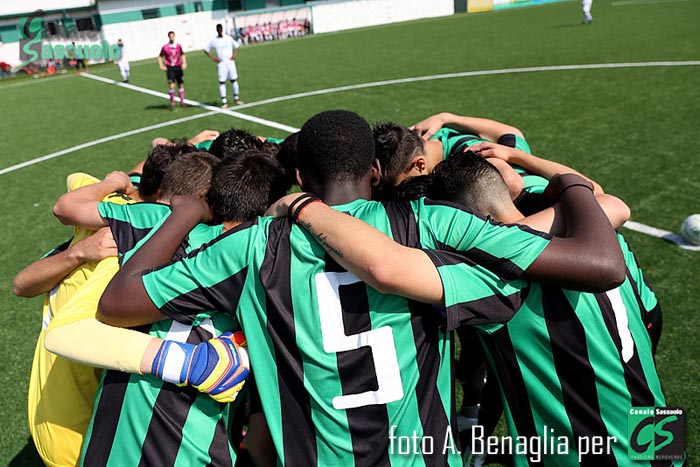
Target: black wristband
(292, 207)
(573, 185)
(306, 202)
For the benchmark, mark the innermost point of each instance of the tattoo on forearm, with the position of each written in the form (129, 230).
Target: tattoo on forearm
(322, 239)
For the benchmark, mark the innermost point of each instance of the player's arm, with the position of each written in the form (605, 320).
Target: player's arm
(184, 60)
(589, 259)
(80, 207)
(235, 49)
(44, 274)
(160, 62)
(207, 52)
(552, 219)
(354, 244)
(529, 162)
(483, 127)
(217, 367)
(139, 309)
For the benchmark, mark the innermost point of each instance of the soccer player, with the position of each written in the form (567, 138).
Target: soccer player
(586, 7)
(590, 351)
(409, 152)
(537, 175)
(135, 413)
(334, 386)
(573, 362)
(173, 61)
(123, 62)
(61, 392)
(226, 48)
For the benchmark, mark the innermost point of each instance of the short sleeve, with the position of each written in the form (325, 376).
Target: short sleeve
(474, 295)
(209, 46)
(503, 249)
(210, 278)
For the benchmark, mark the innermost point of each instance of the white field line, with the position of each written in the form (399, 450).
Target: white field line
(232, 113)
(663, 234)
(103, 140)
(644, 2)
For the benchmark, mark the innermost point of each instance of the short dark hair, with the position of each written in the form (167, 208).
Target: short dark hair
(171, 32)
(287, 156)
(335, 145)
(408, 190)
(189, 174)
(244, 186)
(396, 146)
(233, 141)
(471, 181)
(158, 160)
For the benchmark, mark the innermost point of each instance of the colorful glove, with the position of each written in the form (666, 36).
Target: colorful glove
(217, 367)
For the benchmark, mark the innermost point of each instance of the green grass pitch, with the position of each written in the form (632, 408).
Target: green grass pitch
(631, 129)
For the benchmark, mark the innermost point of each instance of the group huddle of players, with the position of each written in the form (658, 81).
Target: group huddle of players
(209, 300)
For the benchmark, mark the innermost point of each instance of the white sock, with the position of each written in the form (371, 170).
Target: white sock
(222, 92)
(235, 89)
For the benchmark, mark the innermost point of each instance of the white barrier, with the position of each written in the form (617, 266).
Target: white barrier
(337, 16)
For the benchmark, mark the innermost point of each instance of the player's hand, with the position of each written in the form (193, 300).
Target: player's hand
(488, 149)
(561, 182)
(280, 208)
(96, 247)
(184, 66)
(163, 68)
(220, 366)
(431, 125)
(119, 181)
(193, 206)
(206, 135)
(216, 59)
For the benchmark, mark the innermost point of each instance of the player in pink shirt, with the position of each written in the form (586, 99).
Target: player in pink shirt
(172, 60)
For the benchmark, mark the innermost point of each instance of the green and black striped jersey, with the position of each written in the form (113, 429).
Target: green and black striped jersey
(343, 371)
(569, 363)
(140, 420)
(455, 142)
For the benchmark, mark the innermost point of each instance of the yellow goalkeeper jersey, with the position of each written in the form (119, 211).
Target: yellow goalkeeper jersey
(61, 392)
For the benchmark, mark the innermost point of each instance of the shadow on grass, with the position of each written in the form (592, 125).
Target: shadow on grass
(27, 457)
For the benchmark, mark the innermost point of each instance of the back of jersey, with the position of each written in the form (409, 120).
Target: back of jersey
(347, 375)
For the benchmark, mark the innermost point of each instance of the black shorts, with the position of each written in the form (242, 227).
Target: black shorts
(174, 74)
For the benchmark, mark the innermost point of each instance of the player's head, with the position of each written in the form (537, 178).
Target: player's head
(158, 160)
(397, 149)
(120, 43)
(220, 30)
(336, 146)
(287, 156)
(189, 174)
(234, 141)
(471, 181)
(171, 36)
(243, 186)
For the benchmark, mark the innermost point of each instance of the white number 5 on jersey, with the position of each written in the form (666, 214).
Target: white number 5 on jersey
(380, 340)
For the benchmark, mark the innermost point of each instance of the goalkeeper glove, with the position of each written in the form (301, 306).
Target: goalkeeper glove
(217, 367)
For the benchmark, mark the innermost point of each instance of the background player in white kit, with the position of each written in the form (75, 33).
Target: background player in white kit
(586, 6)
(123, 62)
(226, 51)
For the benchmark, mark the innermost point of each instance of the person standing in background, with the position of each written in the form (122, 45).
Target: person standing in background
(122, 62)
(586, 5)
(172, 60)
(226, 48)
